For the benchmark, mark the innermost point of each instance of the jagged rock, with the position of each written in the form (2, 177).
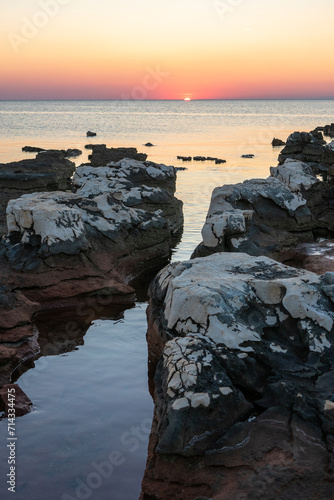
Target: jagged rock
(102, 156)
(259, 217)
(295, 175)
(308, 147)
(91, 134)
(49, 171)
(277, 142)
(243, 384)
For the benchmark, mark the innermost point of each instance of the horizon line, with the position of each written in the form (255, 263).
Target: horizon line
(330, 98)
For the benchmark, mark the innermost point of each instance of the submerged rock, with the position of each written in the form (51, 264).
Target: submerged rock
(244, 350)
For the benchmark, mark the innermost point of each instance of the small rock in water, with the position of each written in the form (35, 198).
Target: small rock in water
(218, 161)
(184, 158)
(149, 145)
(70, 153)
(247, 156)
(91, 134)
(277, 142)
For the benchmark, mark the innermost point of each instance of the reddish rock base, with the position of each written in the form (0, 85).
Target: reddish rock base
(315, 257)
(274, 457)
(21, 403)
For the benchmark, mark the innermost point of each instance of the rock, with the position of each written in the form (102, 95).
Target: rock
(102, 156)
(247, 156)
(32, 149)
(72, 153)
(317, 257)
(49, 171)
(243, 385)
(277, 142)
(180, 169)
(12, 396)
(91, 134)
(184, 158)
(259, 217)
(64, 247)
(91, 146)
(218, 161)
(149, 145)
(329, 130)
(199, 158)
(295, 175)
(306, 147)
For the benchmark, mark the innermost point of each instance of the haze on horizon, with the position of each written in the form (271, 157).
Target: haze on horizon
(155, 49)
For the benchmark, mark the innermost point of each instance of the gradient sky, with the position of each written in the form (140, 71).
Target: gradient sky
(166, 49)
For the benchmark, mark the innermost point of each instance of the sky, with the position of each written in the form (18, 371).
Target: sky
(166, 49)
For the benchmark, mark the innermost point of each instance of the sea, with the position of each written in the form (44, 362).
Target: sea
(87, 435)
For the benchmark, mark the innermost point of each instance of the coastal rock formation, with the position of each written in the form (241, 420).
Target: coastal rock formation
(269, 216)
(49, 171)
(243, 397)
(102, 156)
(259, 217)
(91, 134)
(310, 148)
(64, 247)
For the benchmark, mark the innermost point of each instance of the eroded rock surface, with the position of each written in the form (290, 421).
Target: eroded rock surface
(269, 216)
(243, 401)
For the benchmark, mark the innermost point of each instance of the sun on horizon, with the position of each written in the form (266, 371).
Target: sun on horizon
(187, 99)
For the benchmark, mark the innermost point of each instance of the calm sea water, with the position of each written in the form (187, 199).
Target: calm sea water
(93, 402)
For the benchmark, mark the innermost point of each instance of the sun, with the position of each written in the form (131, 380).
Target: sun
(187, 99)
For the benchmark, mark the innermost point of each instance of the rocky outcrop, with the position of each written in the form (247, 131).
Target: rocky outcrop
(49, 171)
(310, 148)
(91, 134)
(64, 247)
(269, 216)
(243, 398)
(102, 156)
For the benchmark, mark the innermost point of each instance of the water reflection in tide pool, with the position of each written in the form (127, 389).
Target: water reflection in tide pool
(83, 416)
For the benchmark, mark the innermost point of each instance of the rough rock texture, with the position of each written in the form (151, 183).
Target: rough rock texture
(260, 216)
(102, 156)
(64, 247)
(310, 148)
(269, 216)
(49, 171)
(244, 404)
(277, 142)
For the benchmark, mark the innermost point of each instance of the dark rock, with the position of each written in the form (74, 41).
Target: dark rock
(247, 156)
(184, 158)
(32, 149)
(247, 339)
(218, 161)
(91, 134)
(199, 158)
(91, 146)
(277, 142)
(71, 153)
(102, 156)
(149, 145)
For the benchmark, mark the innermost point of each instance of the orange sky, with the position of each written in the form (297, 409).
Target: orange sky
(154, 49)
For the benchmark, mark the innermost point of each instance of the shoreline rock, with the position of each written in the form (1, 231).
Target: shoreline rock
(64, 247)
(243, 381)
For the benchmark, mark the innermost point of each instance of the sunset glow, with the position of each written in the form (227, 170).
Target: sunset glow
(83, 49)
